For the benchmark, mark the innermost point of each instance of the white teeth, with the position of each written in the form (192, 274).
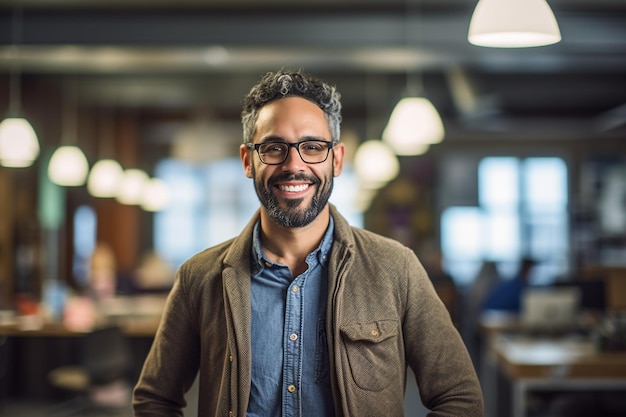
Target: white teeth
(294, 188)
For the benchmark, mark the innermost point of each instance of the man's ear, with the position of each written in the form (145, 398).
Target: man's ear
(244, 154)
(339, 151)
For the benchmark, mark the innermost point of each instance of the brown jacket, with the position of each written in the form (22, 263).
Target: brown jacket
(383, 314)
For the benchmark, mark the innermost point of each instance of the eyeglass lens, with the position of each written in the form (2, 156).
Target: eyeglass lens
(311, 152)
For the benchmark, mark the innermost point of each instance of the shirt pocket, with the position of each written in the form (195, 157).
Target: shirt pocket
(372, 351)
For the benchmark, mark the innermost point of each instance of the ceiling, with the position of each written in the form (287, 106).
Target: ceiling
(205, 55)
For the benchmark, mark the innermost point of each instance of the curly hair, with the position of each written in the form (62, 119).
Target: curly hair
(275, 85)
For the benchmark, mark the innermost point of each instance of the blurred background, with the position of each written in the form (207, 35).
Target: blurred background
(531, 164)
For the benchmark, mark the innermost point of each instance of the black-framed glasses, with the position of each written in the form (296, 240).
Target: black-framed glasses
(275, 153)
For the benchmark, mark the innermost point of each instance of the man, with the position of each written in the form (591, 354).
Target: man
(302, 314)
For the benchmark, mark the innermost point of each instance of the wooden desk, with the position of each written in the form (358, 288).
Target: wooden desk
(138, 316)
(131, 326)
(555, 363)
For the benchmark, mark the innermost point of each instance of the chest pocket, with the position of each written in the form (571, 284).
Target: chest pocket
(373, 353)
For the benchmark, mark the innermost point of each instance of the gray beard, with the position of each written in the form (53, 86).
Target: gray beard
(292, 217)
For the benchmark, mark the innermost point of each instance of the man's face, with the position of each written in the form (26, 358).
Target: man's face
(294, 192)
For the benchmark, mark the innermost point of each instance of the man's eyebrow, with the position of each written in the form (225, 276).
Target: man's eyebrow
(272, 138)
(276, 138)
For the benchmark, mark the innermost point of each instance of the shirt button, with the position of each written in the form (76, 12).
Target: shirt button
(268, 264)
(294, 288)
(374, 333)
(291, 388)
(293, 337)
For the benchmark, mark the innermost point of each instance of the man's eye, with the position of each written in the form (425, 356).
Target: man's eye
(312, 147)
(277, 148)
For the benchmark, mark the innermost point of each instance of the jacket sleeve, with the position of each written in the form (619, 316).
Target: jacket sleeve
(445, 375)
(172, 363)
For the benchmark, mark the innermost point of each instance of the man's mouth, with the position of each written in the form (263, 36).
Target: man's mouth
(293, 188)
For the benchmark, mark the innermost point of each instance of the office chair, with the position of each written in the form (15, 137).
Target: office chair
(101, 379)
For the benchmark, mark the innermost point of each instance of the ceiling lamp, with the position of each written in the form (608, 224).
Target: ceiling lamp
(131, 187)
(19, 146)
(156, 195)
(104, 178)
(68, 166)
(513, 24)
(106, 174)
(375, 164)
(414, 123)
(413, 126)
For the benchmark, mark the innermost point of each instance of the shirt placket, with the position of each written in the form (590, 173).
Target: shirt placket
(292, 365)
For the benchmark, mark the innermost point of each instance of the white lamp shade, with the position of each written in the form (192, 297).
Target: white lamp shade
(131, 187)
(414, 124)
(513, 24)
(19, 146)
(156, 195)
(104, 178)
(375, 164)
(68, 166)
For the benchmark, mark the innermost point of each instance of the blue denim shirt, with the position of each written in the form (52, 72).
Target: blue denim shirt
(290, 368)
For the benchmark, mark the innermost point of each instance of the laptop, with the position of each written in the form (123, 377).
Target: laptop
(550, 309)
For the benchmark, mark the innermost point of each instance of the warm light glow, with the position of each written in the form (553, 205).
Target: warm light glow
(68, 166)
(513, 24)
(156, 195)
(413, 125)
(132, 186)
(375, 164)
(104, 179)
(19, 146)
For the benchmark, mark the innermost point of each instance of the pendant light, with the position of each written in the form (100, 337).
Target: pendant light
(132, 186)
(414, 123)
(513, 24)
(375, 163)
(19, 146)
(106, 174)
(68, 165)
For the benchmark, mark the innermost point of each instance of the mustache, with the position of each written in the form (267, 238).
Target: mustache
(284, 177)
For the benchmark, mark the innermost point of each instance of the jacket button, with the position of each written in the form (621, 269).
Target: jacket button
(374, 333)
(291, 388)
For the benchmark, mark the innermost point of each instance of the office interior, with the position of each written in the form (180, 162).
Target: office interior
(532, 165)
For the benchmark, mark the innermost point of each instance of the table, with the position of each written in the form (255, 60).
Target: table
(568, 362)
(29, 352)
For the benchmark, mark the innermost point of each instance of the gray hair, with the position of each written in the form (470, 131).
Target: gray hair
(291, 83)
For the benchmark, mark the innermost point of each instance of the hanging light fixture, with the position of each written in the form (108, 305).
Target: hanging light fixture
(68, 165)
(104, 178)
(106, 174)
(513, 24)
(132, 186)
(413, 126)
(414, 123)
(19, 146)
(156, 195)
(375, 164)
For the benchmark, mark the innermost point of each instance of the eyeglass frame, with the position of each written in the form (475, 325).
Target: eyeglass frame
(295, 145)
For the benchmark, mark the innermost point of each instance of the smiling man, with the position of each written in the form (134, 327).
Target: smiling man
(302, 314)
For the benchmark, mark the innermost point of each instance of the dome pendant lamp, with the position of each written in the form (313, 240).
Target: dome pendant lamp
(513, 24)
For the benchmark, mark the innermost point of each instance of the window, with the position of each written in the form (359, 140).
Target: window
(522, 211)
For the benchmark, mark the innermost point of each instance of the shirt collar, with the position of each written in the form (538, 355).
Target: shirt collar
(260, 260)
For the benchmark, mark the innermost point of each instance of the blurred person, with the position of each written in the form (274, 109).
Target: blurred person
(102, 272)
(444, 284)
(303, 314)
(507, 295)
(153, 275)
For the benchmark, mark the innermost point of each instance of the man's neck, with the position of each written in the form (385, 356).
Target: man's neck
(290, 246)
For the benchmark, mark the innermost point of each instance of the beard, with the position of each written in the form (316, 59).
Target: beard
(295, 214)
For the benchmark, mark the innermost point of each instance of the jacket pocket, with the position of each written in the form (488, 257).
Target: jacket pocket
(372, 350)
